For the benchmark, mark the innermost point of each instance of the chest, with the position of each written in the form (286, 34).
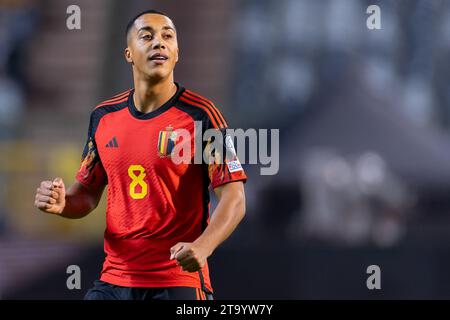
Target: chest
(154, 144)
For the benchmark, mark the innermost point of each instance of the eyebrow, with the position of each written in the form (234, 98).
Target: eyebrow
(148, 28)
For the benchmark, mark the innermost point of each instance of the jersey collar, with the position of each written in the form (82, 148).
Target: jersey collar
(143, 116)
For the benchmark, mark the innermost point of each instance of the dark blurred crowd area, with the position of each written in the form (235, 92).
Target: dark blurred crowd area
(18, 20)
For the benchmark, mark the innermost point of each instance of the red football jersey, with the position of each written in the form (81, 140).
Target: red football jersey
(153, 203)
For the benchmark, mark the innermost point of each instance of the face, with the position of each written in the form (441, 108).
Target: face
(152, 46)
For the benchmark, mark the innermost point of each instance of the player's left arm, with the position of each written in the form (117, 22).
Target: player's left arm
(229, 212)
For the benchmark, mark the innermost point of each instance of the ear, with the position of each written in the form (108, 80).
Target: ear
(128, 55)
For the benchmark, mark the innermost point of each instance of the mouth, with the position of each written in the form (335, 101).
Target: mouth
(158, 58)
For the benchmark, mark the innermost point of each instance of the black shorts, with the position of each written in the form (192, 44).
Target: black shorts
(105, 291)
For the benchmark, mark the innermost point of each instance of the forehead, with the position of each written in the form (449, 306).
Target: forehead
(155, 21)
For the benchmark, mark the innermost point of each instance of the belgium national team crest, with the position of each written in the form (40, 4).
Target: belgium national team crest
(166, 142)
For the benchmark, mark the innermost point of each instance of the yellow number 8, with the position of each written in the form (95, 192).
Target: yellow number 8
(137, 180)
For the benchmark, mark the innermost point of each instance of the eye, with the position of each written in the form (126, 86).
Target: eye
(168, 36)
(146, 36)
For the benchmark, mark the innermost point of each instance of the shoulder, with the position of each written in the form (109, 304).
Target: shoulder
(116, 100)
(115, 103)
(198, 103)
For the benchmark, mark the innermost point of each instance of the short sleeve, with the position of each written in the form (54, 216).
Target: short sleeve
(91, 172)
(221, 158)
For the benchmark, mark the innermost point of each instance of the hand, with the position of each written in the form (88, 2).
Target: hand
(190, 256)
(51, 196)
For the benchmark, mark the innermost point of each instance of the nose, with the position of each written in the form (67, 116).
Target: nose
(158, 44)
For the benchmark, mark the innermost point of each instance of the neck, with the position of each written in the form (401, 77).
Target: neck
(149, 96)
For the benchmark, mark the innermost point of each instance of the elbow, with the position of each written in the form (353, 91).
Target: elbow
(93, 203)
(93, 197)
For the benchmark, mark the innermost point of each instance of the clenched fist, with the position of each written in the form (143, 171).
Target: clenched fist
(51, 196)
(189, 256)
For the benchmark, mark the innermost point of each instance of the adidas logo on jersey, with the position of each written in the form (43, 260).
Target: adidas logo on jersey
(112, 143)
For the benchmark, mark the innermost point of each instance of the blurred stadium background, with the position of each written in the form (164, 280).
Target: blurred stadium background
(364, 119)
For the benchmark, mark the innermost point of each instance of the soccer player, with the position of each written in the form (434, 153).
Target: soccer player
(158, 235)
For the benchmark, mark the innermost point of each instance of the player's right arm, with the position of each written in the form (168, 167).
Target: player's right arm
(73, 203)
